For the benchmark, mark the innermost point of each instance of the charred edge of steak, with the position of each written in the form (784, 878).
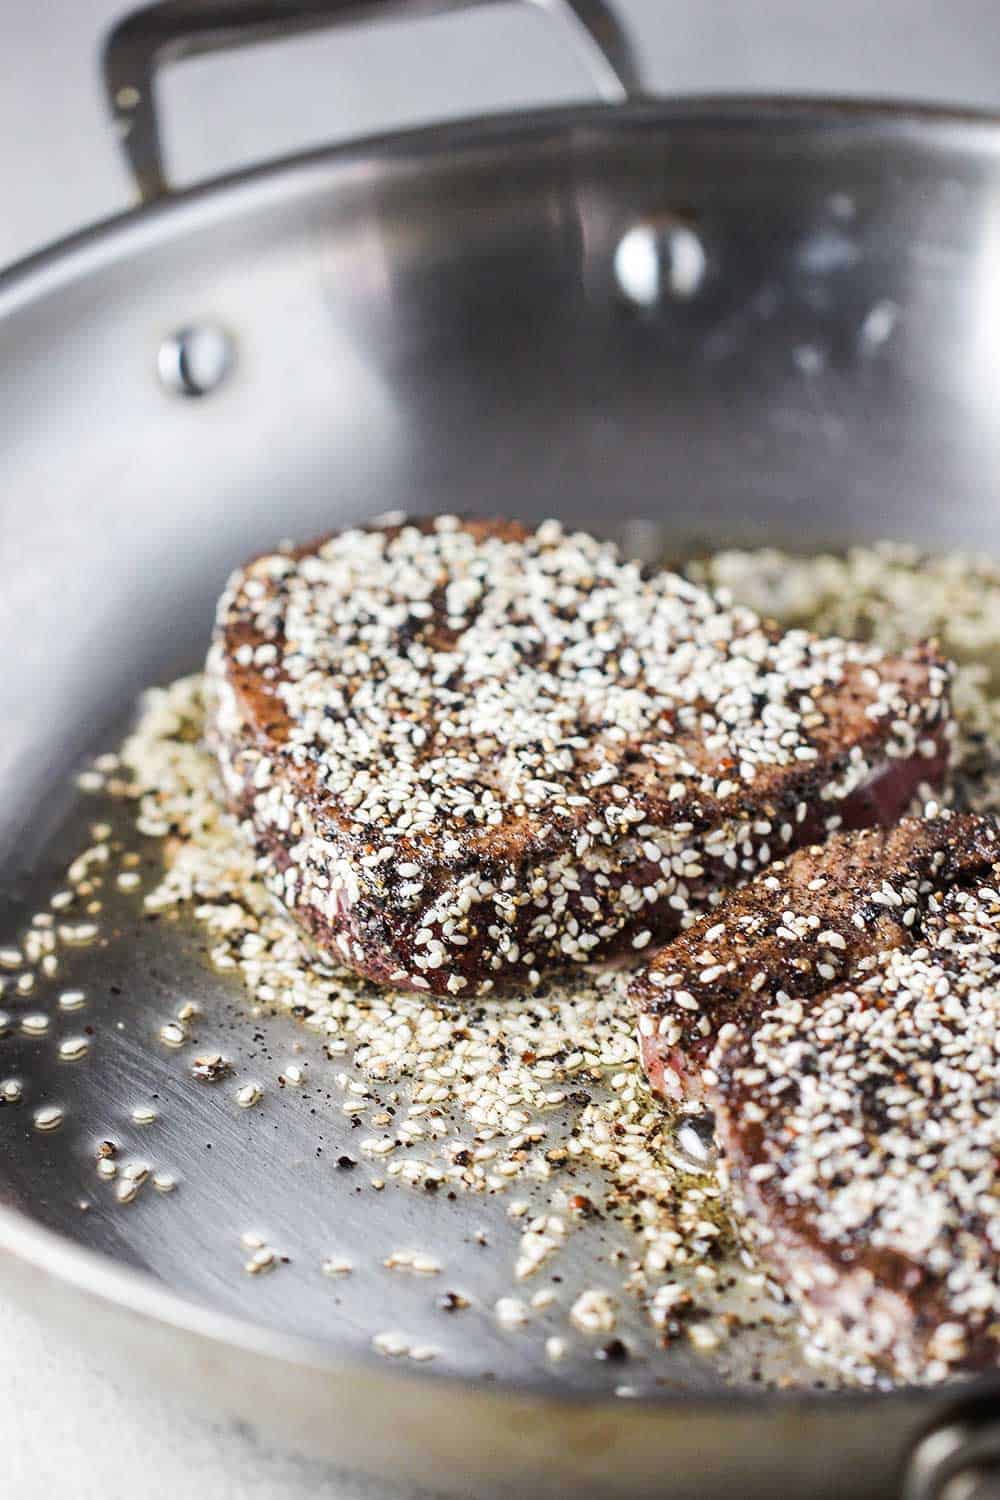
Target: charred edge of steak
(845, 974)
(710, 979)
(870, 1310)
(375, 936)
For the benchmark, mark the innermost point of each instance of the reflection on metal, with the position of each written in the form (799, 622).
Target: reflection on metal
(659, 259)
(958, 1462)
(695, 1138)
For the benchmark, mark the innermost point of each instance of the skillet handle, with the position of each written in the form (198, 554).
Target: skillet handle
(139, 44)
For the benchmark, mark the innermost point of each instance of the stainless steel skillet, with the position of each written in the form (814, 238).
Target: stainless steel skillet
(697, 322)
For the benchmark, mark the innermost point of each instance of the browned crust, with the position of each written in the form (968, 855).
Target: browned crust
(378, 930)
(848, 1280)
(851, 865)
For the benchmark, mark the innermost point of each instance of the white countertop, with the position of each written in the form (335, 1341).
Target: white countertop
(66, 1429)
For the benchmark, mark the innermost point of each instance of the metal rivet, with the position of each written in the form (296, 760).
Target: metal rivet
(977, 1483)
(657, 259)
(960, 1461)
(195, 360)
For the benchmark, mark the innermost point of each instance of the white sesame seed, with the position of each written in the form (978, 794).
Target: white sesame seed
(73, 1047)
(511, 1312)
(704, 1338)
(337, 1265)
(594, 1311)
(391, 1343)
(49, 1117)
(78, 934)
(260, 1261)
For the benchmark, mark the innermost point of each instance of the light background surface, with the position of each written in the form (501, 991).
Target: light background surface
(59, 163)
(65, 1428)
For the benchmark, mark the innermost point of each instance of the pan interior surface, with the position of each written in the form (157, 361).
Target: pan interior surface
(687, 327)
(291, 1173)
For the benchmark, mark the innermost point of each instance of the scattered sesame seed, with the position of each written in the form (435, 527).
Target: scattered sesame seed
(211, 1067)
(704, 1338)
(511, 1312)
(337, 1265)
(413, 1260)
(391, 1343)
(261, 1260)
(73, 1047)
(78, 934)
(594, 1311)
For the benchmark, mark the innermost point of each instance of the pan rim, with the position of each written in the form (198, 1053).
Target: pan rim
(42, 273)
(94, 1275)
(100, 243)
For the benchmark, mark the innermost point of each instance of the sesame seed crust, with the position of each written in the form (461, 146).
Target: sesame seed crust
(468, 753)
(859, 1118)
(802, 925)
